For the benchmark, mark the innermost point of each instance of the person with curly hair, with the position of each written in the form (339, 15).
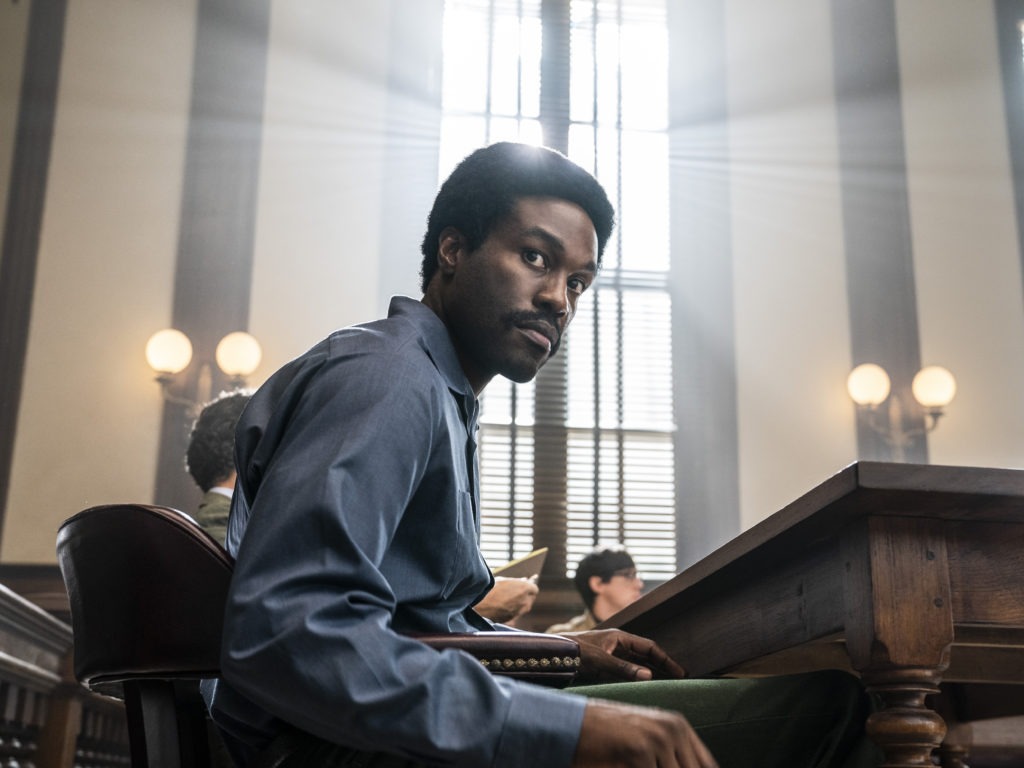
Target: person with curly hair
(210, 459)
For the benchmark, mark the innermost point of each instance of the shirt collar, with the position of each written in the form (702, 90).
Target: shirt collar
(438, 344)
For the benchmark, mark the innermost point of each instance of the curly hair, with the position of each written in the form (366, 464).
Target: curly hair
(487, 184)
(210, 457)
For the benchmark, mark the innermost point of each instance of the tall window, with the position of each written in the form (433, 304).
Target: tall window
(584, 454)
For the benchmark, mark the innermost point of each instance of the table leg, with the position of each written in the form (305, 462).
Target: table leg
(899, 629)
(905, 728)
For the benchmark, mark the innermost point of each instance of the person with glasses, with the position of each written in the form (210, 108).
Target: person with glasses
(607, 581)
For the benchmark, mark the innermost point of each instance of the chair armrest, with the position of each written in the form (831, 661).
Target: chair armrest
(550, 660)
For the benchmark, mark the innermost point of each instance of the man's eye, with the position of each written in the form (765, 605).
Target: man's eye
(533, 257)
(577, 285)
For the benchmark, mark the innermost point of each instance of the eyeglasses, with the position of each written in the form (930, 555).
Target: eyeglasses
(630, 574)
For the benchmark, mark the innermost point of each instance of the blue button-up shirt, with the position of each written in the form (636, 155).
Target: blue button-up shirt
(357, 497)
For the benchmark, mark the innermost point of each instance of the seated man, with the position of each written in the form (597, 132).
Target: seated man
(356, 523)
(607, 582)
(210, 459)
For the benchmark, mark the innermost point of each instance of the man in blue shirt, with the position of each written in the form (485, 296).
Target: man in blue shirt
(355, 522)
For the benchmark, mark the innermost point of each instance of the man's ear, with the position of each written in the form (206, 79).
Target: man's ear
(596, 584)
(449, 249)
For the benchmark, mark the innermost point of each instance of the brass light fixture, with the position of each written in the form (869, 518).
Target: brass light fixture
(169, 352)
(869, 387)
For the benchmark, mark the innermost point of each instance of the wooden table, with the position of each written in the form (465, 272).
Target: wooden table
(905, 575)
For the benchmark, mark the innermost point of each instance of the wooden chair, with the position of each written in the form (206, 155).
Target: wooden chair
(147, 589)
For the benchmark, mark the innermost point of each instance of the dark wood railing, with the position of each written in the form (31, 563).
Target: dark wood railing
(47, 720)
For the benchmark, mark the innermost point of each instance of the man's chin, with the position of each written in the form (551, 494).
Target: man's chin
(524, 365)
(520, 379)
(521, 374)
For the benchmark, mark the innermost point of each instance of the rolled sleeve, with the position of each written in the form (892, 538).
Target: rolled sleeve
(540, 722)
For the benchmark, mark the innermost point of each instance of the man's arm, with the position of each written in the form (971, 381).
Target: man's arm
(508, 599)
(308, 629)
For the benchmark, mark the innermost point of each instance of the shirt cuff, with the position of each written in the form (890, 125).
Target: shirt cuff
(542, 728)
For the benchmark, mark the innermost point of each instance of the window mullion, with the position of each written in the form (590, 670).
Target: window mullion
(550, 458)
(555, 73)
(513, 473)
(596, 501)
(489, 99)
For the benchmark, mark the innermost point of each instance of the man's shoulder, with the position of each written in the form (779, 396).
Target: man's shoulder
(391, 363)
(410, 347)
(214, 502)
(384, 354)
(579, 623)
(212, 514)
(361, 351)
(384, 335)
(409, 326)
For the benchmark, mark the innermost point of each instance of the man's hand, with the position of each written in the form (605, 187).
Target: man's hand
(611, 655)
(508, 599)
(624, 736)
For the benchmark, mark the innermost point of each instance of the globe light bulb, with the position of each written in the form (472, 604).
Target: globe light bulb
(934, 387)
(238, 354)
(168, 351)
(868, 384)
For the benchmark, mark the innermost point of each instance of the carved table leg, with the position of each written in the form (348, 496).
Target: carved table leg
(899, 629)
(906, 730)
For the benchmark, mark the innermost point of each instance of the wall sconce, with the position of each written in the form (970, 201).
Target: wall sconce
(169, 352)
(933, 388)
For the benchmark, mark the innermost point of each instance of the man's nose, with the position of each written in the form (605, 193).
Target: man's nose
(554, 295)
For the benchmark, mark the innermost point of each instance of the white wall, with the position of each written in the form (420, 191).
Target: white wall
(89, 414)
(966, 258)
(792, 322)
(796, 423)
(318, 231)
(88, 427)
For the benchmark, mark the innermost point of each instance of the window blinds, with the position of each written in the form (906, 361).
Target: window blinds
(583, 455)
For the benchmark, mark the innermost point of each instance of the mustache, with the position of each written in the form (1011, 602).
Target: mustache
(548, 319)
